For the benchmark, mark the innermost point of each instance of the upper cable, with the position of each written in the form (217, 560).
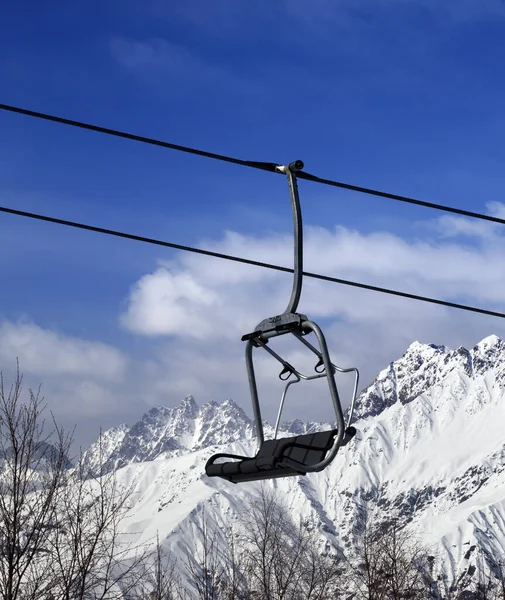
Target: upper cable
(263, 166)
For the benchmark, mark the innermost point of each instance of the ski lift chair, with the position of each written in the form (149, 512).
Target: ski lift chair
(300, 454)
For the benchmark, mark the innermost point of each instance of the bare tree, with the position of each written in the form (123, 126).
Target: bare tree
(270, 558)
(322, 574)
(234, 583)
(33, 466)
(61, 534)
(281, 558)
(91, 557)
(161, 580)
(205, 565)
(391, 565)
(263, 523)
(367, 576)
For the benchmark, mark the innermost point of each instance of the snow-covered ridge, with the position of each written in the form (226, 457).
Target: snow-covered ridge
(430, 449)
(168, 432)
(425, 365)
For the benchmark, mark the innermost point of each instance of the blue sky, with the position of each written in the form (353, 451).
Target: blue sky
(406, 96)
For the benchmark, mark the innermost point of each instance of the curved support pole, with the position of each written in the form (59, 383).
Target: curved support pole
(290, 172)
(254, 391)
(310, 325)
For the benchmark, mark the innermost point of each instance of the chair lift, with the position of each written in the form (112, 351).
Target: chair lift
(300, 454)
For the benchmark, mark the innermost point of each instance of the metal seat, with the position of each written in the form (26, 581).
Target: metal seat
(282, 457)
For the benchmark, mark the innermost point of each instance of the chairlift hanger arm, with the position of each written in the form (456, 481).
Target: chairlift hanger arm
(299, 454)
(290, 171)
(279, 324)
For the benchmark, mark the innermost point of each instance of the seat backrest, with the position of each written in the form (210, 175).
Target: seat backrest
(318, 445)
(308, 449)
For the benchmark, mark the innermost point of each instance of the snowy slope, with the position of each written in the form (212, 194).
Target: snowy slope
(430, 449)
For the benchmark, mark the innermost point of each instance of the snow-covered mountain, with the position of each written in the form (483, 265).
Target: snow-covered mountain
(169, 432)
(430, 449)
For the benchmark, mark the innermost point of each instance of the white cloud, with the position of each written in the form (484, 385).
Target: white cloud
(41, 351)
(451, 226)
(84, 382)
(79, 378)
(223, 300)
(163, 303)
(214, 299)
(487, 232)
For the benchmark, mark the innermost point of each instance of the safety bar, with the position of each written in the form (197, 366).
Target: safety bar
(299, 378)
(290, 370)
(339, 369)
